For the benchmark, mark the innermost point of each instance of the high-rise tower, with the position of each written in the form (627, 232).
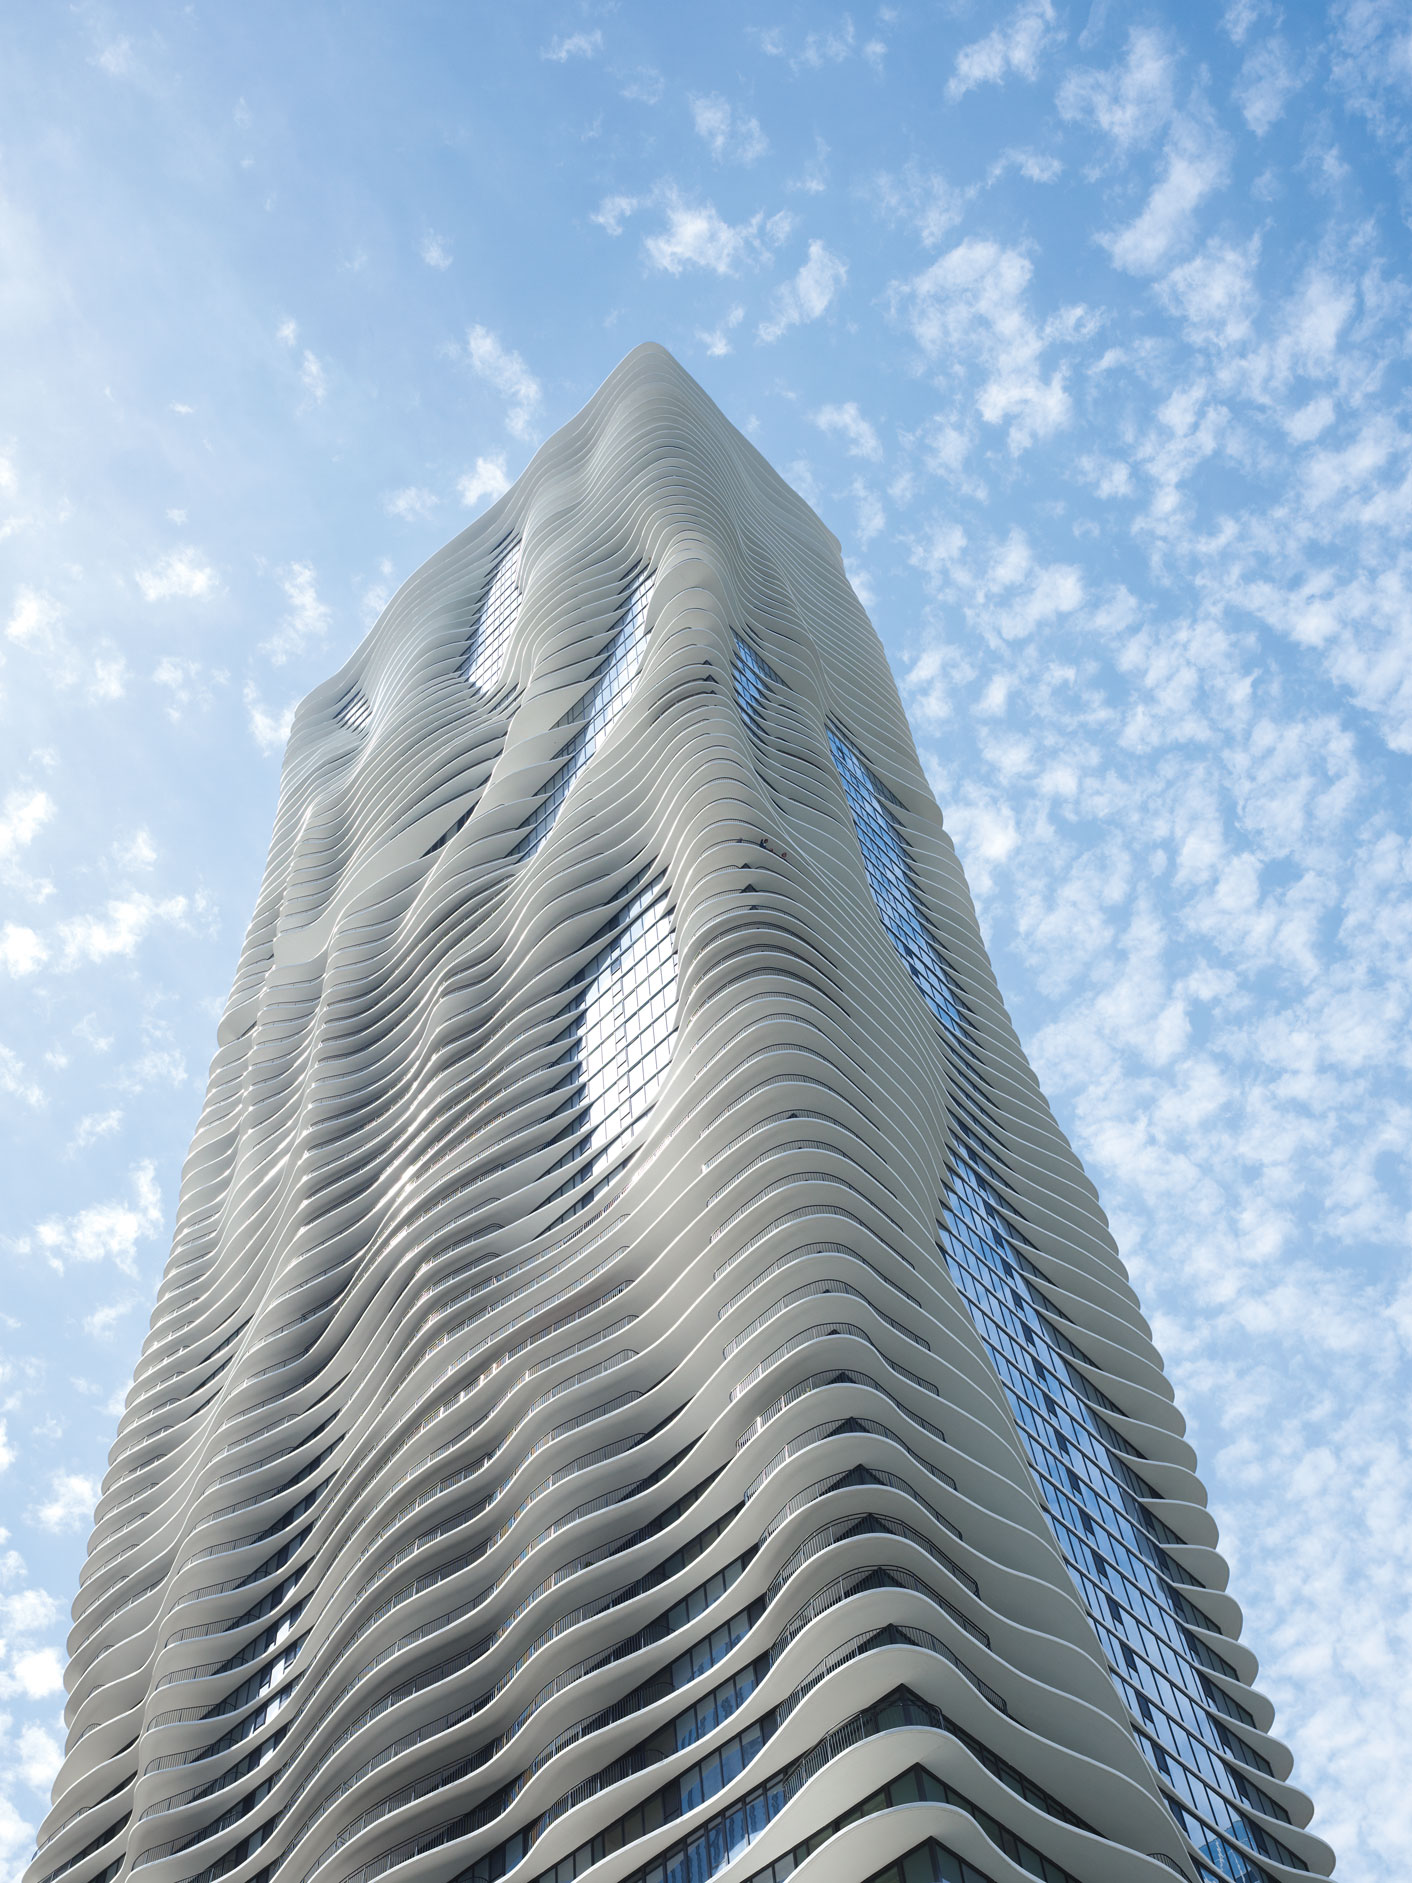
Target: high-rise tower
(642, 1387)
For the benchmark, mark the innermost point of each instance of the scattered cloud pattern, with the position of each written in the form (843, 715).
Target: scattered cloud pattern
(1086, 331)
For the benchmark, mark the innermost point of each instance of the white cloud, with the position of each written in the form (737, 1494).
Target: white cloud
(614, 211)
(808, 295)
(644, 86)
(923, 198)
(970, 306)
(1370, 56)
(1195, 162)
(712, 117)
(69, 1504)
(37, 1672)
(813, 179)
(1106, 477)
(270, 728)
(830, 45)
(945, 446)
(107, 677)
(434, 251)
(22, 816)
(859, 438)
(187, 683)
(158, 1066)
(287, 332)
(566, 46)
(34, 618)
(8, 1454)
(313, 378)
(1036, 593)
(305, 621)
(870, 516)
(87, 939)
(93, 1126)
(716, 340)
(731, 136)
(801, 475)
(100, 1324)
(117, 59)
(1307, 422)
(1190, 427)
(1267, 82)
(984, 829)
(89, 1032)
(505, 370)
(1241, 15)
(1131, 103)
(412, 504)
(696, 235)
(1215, 293)
(137, 852)
(485, 483)
(106, 1231)
(29, 1612)
(13, 1081)
(1033, 165)
(1011, 597)
(939, 554)
(16, 1841)
(21, 950)
(40, 1756)
(1014, 47)
(182, 575)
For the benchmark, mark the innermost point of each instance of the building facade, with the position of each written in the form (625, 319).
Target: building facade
(642, 1387)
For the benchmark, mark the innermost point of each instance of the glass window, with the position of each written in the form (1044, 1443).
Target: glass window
(752, 678)
(354, 710)
(609, 694)
(499, 611)
(1111, 1543)
(890, 879)
(625, 1025)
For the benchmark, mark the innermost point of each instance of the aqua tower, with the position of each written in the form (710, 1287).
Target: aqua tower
(642, 1387)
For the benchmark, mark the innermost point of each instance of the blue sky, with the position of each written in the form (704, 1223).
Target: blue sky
(1086, 329)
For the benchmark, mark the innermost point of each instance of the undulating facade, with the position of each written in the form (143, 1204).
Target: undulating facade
(642, 1387)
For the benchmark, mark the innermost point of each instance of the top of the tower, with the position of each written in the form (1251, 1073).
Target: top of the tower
(650, 371)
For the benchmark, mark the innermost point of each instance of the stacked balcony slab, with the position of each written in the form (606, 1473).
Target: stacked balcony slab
(642, 1387)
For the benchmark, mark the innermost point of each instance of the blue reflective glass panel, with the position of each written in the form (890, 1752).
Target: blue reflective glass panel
(609, 694)
(890, 878)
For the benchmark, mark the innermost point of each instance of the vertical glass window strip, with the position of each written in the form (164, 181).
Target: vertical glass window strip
(890, 879)
(499, 611)
(625, 1027)
(752, 678)
(1111, 1543)
(606, 698)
